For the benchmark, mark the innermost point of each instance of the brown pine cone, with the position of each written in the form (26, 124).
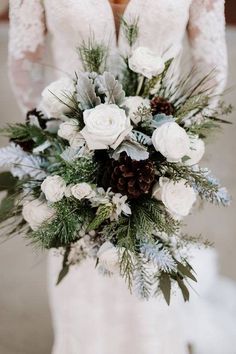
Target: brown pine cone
(159, 105)
(132, 178)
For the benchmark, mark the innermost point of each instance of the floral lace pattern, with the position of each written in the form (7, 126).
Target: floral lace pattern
(207, 37)
(27, 36)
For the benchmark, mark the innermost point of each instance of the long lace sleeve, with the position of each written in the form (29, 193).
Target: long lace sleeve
(26, 50)
(207, 39)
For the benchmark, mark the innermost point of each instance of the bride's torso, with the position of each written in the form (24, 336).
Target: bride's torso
(69, 22)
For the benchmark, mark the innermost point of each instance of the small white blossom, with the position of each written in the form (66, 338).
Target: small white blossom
(54, 188)
(119, 201)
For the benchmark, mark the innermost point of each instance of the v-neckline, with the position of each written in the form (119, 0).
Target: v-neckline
(118, 30)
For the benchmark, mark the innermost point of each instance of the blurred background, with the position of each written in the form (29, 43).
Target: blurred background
(24, 310)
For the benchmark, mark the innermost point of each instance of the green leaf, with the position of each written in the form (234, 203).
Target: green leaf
(62, 274)
(6, 206)
(65, 267)
(185, 271)
(165, 286)
(7, 181)
(183, 289)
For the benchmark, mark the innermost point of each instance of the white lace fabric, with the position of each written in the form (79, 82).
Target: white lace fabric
(26, 50)
(207, 37)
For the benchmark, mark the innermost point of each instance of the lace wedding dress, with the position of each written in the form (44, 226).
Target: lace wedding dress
(92, 314)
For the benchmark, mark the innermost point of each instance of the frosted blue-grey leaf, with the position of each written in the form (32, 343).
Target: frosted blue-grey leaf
(161, 119)
(85, 92)
(133, 149)
(141, 137)
(111, 88)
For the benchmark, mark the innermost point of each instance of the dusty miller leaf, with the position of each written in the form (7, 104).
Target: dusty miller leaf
(86, 93)
(133, 149)
(141, 138)
(111, 88)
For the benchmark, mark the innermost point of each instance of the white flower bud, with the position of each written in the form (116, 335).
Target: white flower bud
(54, 188)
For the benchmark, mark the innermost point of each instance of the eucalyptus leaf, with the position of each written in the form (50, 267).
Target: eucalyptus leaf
(111, 88)
(86, 93)
(160, 119)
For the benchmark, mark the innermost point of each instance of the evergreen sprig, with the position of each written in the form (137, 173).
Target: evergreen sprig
(131, 30)
(64, 228)
(197, 179)
(93, 55)
(81, 170)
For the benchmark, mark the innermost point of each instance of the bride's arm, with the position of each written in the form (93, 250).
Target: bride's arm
(207, 39)
(26, 49)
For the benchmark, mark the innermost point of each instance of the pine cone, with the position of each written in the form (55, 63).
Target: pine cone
(160, 105)
(132, 178)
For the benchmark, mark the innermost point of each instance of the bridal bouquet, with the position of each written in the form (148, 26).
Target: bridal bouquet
(107, 167)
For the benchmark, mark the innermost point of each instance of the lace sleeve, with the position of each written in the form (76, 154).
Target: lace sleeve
(207, 39)
(26, 50)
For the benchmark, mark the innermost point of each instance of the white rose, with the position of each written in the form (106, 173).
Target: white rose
(171, 141)
(108, 256)
(133, 104)
(105, 125)
(68, 129)
(81, 191)
(196, 151)
(177, 197)
(54, 188)
(146, 62)
(54, 98)
(36, 213)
